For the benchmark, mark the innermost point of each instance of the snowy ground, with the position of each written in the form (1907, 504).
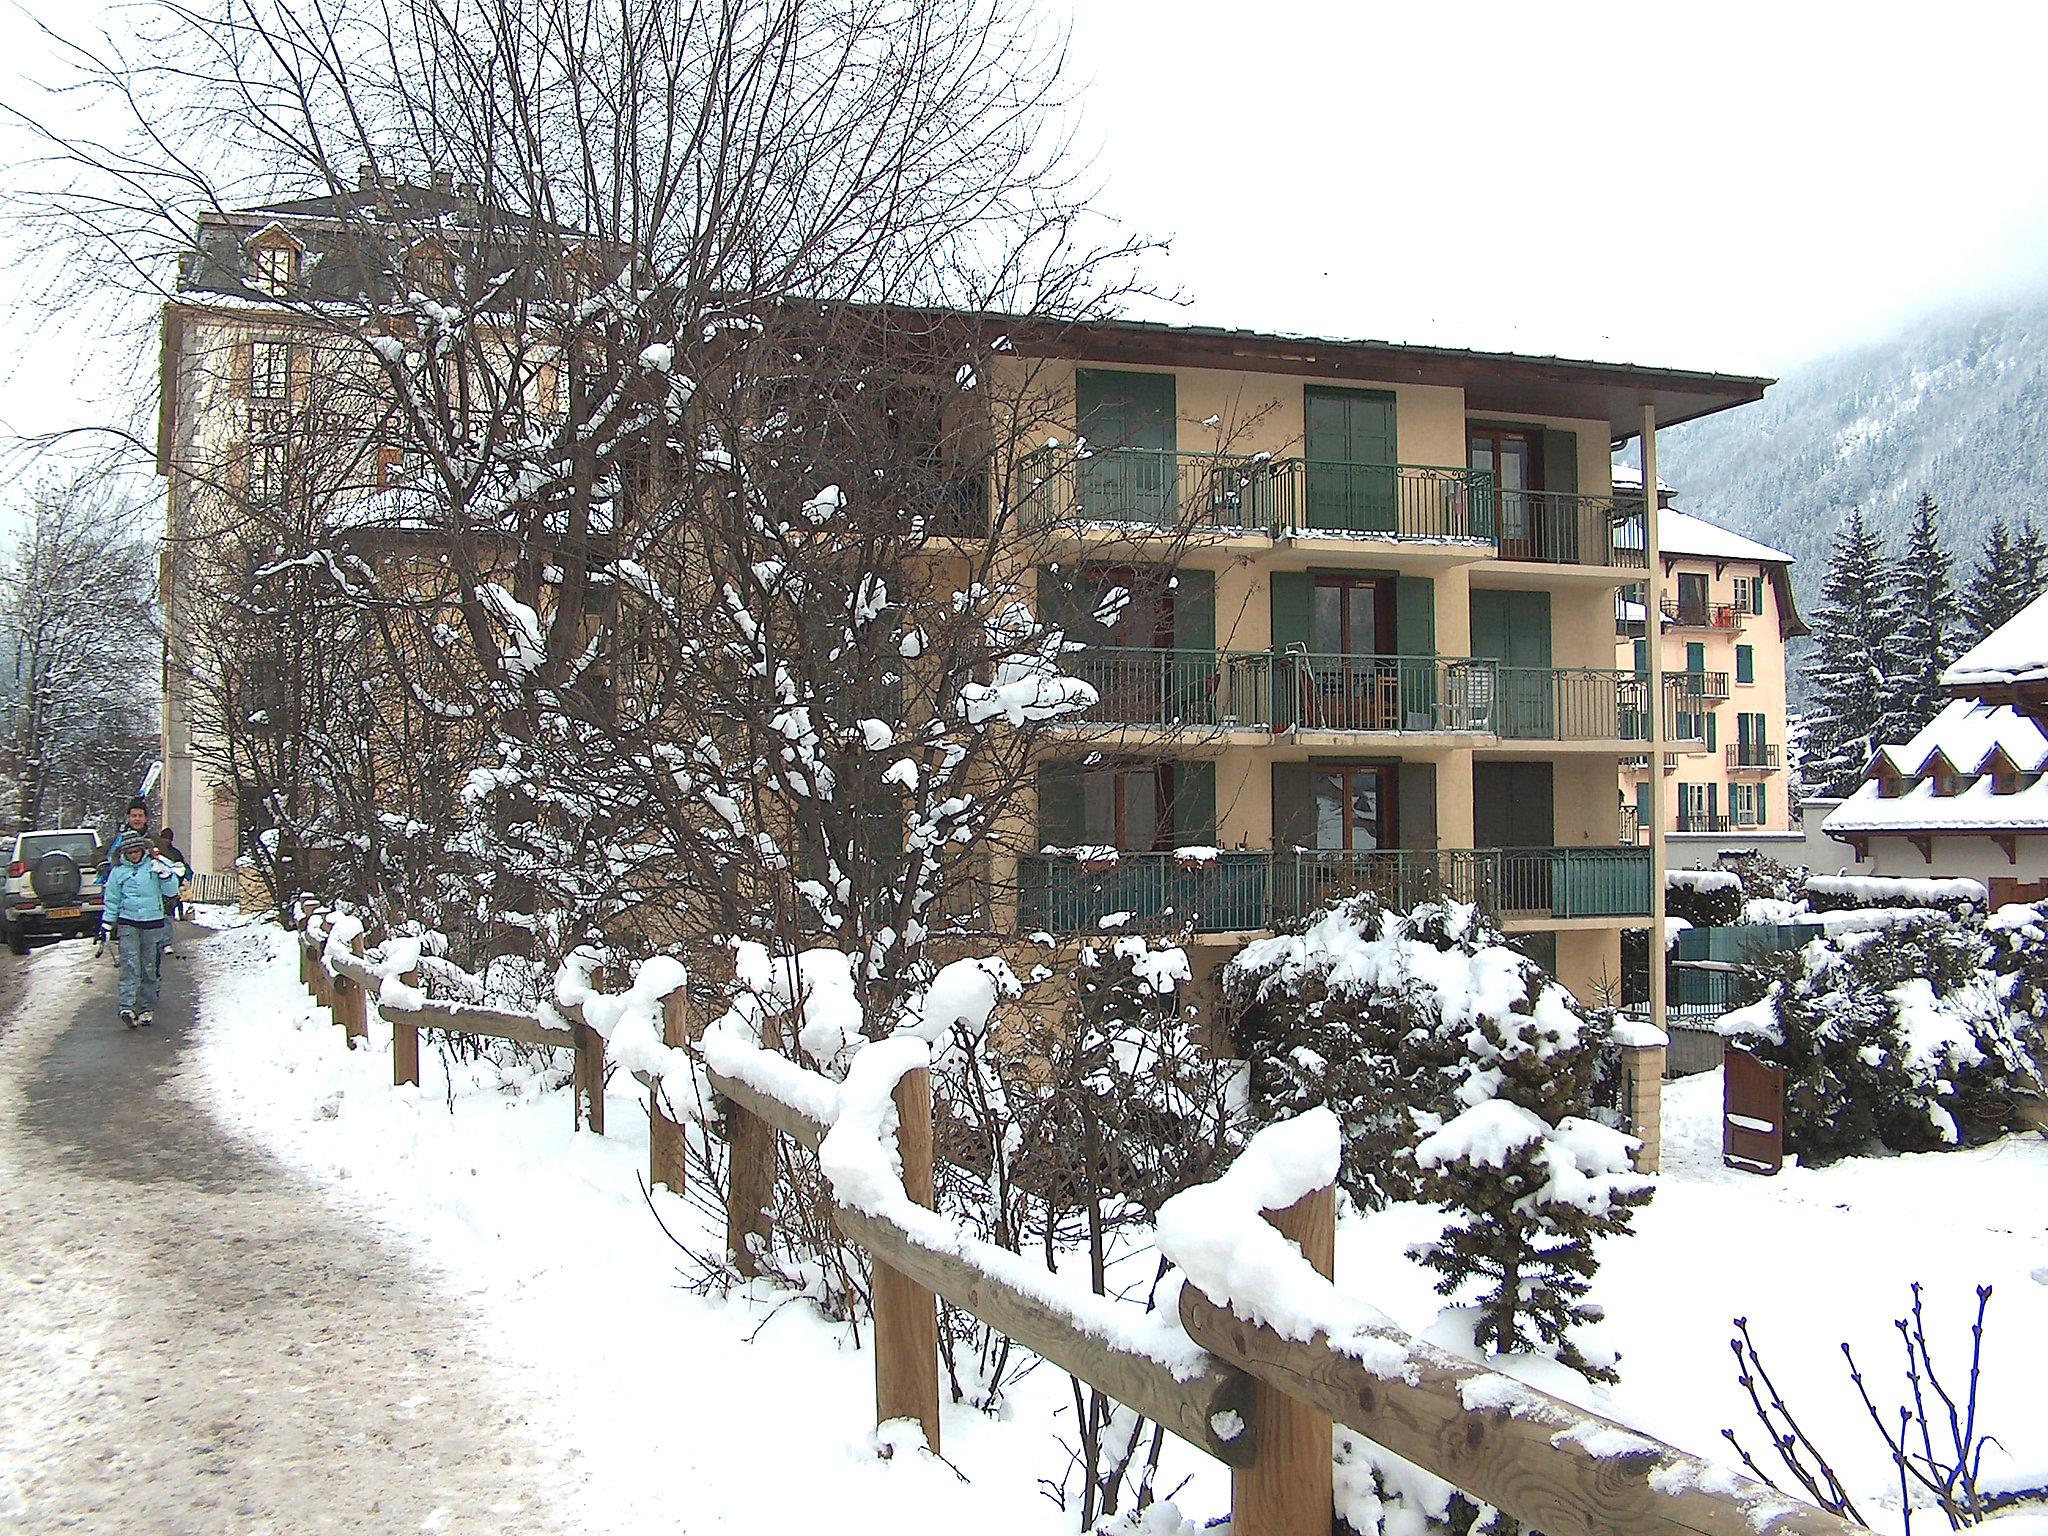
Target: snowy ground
(750, 1412)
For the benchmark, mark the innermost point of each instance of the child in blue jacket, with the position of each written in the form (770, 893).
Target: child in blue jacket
(140, 894)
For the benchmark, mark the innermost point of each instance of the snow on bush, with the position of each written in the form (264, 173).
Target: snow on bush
(1705, 898)
(1460, 1074)
(1842, 893)
(1919, 1036)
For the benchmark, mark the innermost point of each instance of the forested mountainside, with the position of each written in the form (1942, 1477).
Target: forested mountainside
(1956, 406)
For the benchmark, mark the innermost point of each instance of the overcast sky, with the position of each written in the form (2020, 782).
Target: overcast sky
(1721, 185)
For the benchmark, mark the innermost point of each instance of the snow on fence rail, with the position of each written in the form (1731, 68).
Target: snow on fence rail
(1261, 1356)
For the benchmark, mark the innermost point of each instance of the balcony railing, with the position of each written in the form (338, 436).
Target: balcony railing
(1234, 892)
(1702, 821)
(1311, 691)
(1259, 494)
(1701, 688)
(1725, 617)
(1754, 757)
(1561, 528)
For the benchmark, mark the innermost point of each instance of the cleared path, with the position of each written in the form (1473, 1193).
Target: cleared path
(189, 1341)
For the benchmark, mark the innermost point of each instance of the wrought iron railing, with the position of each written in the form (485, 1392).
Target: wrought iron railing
(1702, 821)
(1563, 528)
(1160, 688)
(1382, 501)
(1690, 615)
(1754, 757)
(1242, 891)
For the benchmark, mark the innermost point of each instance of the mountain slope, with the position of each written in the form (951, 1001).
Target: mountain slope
(1956, 406)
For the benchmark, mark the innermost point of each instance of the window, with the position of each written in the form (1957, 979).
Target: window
(1948, 785)
(1745, 663)
(1128, 807)
(1353, 616)
(1514, 459)
(266, 472)
(270, 371)
(1749, 594)
(1352, 807)
(273, 268)
(1746, 805)
(1692, 598)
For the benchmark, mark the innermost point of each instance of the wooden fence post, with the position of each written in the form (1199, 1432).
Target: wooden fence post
(352, 999)
(749, 1186)
(405, 1041)
(665, 1145)
(906, 1314)
(1289, 1488)
(587, 1079)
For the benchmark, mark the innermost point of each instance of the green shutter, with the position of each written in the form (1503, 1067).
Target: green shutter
(1194, 804)
(1415, 805)
(1129, 420)
(1490, 625)
(1745, 664)
(1756, 731)
(1742, 737)
(1642, 649)
(1713, 790)
(1058, 605)
(1294, 807)
(1762, 815)
(1414, 615)
(1643, 803)
(1293, 593)
(1561, 462)
(1194, 610)
(1059, 805)
(1350, 446)
(1711, 719)
(1695, 656)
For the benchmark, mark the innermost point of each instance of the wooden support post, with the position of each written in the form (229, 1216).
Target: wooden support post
(405, 1042)
(589, 1076)
(352, 1000)
(749, 1186)
(665, 1145)
(1289, 1487)
(906, 1314)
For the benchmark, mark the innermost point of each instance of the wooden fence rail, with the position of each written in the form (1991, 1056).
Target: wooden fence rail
(1259, 1402)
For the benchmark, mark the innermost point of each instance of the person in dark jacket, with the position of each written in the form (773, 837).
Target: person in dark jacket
(137, 913)
(168, 850)
(135, 824)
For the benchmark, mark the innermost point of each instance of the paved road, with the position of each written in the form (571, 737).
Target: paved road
(189, 1341)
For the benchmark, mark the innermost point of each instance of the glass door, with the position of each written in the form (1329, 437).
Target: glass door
(1511, 457)
(1356, 684)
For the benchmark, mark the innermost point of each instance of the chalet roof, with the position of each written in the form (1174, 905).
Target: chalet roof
(1973, 739)
(2015, 652)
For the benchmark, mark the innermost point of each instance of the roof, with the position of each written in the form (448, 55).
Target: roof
(1508, 384)
(1969, 737)
(2015, 652)
(1680, 533)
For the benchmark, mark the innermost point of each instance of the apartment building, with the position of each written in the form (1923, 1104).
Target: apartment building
(1386, 660)
(1348, 607)
(1726, 615)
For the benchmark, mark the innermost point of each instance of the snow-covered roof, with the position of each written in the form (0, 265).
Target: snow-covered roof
(1966, 733)
(1629, 477)
(2015, 652)
(1969, 737)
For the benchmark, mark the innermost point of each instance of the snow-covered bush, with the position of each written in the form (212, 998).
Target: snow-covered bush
(1852, 893)
(1705, 898)
(1461, 1074)
(1912, 1037)
(1766, 879)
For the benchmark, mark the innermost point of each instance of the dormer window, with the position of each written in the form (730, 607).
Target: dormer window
(1949, 785)
(1890, 786)
(2005, 783)
(430, 268)
(274, 268)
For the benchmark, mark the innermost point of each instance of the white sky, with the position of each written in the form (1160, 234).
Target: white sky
(1479, 174)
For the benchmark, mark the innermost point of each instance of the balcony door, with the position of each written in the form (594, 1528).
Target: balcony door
(1351, 450)
(1513, 456)
(1513, 807)
(1692, 599)
(1354, 685)
(1128, 422)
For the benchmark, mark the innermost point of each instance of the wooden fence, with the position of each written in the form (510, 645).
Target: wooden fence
(1260, 1402)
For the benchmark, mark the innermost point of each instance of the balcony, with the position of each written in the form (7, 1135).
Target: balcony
(1249, 892)
(1754, 757)
(1375, 695)
(1702, 821)
(1560, 528)
(1700, 688)
(1724, 618)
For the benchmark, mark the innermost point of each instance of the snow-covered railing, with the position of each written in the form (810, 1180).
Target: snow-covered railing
(1269, 1352)
(1253, 1364)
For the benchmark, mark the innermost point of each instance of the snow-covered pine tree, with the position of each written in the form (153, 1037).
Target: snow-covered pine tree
(1846, 672)
(2033, 560)
(1923, 642)
(1996, 589)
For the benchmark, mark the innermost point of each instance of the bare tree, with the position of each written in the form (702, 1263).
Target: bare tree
(77, 608)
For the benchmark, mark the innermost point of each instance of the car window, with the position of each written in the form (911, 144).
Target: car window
(82, 846)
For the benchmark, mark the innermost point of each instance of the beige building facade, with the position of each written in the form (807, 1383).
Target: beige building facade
(1726, 616)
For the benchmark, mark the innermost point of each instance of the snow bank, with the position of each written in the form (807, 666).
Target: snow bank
(1702, 880)
(1892, 891)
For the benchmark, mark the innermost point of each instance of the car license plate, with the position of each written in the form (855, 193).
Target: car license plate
(67, 911)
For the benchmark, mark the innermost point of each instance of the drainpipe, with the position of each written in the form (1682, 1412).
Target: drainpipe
(1653, 651)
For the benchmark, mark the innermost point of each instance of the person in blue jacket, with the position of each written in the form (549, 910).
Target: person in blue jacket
(138, 900)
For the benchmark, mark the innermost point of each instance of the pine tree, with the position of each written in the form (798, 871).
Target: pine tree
(1993, 593)
(2033, 560)
(1850, 684)
(1923, 642)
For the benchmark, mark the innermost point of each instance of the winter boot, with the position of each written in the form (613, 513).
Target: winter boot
(128, 1017)
(147, 1017)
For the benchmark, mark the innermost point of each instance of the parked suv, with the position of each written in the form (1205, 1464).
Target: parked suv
(53, 885)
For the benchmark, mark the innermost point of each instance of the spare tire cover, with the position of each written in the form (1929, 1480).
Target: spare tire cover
(55, 877)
